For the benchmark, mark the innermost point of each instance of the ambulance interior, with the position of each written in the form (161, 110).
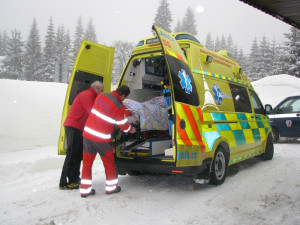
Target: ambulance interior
(147, 109)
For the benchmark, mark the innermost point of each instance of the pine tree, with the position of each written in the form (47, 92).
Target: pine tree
(78, 36)
(4, 40)
(254, 61)
(209, 43)
(1, 45)
(235, 51)
(217, 44)
(223, 44)
(163, 17)
(67, 52)
(49, 53)
(62, 51)
(33, 54)
(264, 58)
(229, 45)
(178, 27)
(123, 51)
(90, 32)
(59, 44)
(242, 60)
(13, 62)
(293, 47)
(280, 54)
(189, 22)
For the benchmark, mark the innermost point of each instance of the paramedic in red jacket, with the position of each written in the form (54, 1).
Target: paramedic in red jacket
(74, 125)
(108, 111)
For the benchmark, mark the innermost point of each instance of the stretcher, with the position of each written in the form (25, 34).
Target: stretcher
(142, 143)
(151, 120)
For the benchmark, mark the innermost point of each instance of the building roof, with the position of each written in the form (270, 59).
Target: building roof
(285, 10)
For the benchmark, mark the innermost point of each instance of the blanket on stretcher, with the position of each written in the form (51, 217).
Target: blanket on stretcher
(152, 114)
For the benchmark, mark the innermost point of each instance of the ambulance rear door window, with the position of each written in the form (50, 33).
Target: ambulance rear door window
(82, 81)
(183, 82)
(240, 98)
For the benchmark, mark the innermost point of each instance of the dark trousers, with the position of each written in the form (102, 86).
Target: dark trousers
(71, 169)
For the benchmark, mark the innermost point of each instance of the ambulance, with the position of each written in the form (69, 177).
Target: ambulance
(196, 112)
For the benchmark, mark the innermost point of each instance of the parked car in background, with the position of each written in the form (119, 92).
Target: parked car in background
(285, 118)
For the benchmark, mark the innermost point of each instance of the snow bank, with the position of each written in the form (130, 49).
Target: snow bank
(30, 114)
(274, 89)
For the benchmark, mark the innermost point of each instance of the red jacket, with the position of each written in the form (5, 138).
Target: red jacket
(108, 110)
(81, 109)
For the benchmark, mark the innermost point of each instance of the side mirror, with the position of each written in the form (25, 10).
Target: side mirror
(268, 108)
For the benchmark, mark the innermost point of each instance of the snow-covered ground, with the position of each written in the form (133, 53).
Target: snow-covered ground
(255, 192)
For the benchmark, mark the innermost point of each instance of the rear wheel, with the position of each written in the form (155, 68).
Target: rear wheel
(275, 134)
(219, 167)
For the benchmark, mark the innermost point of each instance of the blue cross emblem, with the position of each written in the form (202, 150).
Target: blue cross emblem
(185, 81)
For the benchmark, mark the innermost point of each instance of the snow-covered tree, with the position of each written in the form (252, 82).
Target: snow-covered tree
(217, 46)
(264, 58)
(49, 53)
(223, 44)
(13, 62)
(163, 17)
(293, 49)
(3, 43)
(235, 51)
(59, 44)
(90, 32)
(229, 45)
(62, 50)
(279, 56)
(209, 43)
(242, 60)
(33, 54)
(123, 50)
(178, 27)
(254, 61)
(78, 36)
(189, 22)
(67, 51)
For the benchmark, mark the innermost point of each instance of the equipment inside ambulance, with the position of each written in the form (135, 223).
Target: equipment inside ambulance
(195, 111)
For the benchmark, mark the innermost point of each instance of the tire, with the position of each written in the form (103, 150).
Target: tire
(275, 134)
(219, 166)
(269, 151)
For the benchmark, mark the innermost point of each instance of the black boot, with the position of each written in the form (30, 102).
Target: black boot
(117, 190)
(92, 192)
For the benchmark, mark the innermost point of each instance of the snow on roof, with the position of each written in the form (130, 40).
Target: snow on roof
(274, 89)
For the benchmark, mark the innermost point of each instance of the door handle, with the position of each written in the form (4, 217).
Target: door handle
(298, 114)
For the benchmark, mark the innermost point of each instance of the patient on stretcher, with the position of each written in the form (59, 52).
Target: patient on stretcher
(152, 114)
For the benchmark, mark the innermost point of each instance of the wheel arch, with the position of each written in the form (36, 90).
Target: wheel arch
(222, 142)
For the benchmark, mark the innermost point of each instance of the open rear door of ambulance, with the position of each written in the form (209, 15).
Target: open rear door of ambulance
(93, 62)
(188, 148)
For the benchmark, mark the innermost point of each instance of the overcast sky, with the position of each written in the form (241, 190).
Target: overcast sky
(131, 20)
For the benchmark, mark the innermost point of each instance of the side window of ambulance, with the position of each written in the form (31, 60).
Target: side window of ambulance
(240, 98)
(258, 107)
